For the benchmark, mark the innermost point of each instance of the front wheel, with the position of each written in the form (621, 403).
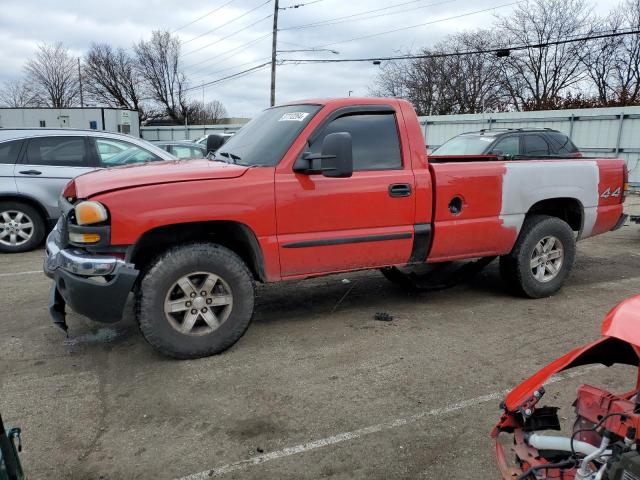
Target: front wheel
(196, 300)
(541, 259)
(21, 227)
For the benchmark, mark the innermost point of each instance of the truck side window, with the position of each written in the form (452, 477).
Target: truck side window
(376, 145)
(535, 145)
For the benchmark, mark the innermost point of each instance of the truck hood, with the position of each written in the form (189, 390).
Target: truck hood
(153, 173)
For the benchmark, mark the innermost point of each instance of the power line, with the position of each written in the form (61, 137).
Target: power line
(235, 66)
(504, 50)
(203, 16)
(299, 45)
(386, 14)
(227, 23)
(349, 18)
(226, 36)
(228, 53)
(420, 24)
(298, 5)
(228, 77)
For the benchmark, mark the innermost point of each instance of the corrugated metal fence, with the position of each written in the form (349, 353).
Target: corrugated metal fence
(191, 132)
(603, 132)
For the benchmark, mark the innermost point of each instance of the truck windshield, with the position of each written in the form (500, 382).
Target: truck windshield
(465, 145)
(265, 139)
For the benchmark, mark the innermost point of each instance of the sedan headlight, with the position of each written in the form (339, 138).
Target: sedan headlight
(89, 213)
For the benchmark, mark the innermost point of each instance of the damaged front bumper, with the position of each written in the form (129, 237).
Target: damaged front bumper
(96, 286)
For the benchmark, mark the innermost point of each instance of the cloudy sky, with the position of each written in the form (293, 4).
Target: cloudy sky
(237, 37)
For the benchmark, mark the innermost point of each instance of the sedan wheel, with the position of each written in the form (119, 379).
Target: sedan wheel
(16, 228)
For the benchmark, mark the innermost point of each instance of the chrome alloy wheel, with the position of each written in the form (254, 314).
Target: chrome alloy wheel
(198, 303)
(16, 228)
(547, 259)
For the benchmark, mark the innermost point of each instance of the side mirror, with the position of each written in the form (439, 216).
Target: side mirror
(214, 142)
(336, 159)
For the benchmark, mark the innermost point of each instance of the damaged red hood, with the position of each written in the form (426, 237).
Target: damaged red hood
(170, 171)
(540, 454)
(620, 343)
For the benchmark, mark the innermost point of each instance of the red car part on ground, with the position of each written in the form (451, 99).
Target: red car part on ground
(604, 435)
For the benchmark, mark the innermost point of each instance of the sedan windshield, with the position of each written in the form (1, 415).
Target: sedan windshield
(465, 145)
(265, 139)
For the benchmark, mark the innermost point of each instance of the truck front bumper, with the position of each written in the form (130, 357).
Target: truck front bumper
(96, 286)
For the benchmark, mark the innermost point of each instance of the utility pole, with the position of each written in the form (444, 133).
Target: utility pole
(274, 46)
(80, 80)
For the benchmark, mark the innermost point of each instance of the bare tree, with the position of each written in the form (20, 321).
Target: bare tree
(158, 63)
(391, 81)
(628, 64)
(17, 94)
(446, 80)
(473, 81)
(613, 63)
(112, 79)
(536, 77)
(419, 81)
(210, 113)
(52, 75)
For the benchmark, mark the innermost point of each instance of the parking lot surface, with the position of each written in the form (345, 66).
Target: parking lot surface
(317, 388)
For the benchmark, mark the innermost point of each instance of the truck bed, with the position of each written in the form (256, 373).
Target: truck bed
(480, 206)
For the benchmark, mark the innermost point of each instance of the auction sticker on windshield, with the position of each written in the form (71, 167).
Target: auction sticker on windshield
(293, 117)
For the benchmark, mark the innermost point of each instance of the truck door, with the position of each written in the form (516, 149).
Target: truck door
(337, 224)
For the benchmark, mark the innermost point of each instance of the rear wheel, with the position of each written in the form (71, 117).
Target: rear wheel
(21, 227)
(542, 258)
(196, 300)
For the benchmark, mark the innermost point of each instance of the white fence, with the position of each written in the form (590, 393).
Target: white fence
(603, 132)
(191, 132)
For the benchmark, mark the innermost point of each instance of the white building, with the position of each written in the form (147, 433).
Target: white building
(94, 118)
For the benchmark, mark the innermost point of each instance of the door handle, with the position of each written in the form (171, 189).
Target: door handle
(30, 172)
(399, 190)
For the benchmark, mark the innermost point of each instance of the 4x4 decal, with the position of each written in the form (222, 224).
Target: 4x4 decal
(608, 193)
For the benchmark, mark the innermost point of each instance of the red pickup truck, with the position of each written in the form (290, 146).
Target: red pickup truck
(306, 189)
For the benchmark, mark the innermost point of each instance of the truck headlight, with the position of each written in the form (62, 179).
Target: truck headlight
(89, 213)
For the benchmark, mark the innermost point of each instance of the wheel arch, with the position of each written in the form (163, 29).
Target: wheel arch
(235, 236)
(570, 210)
(17, 197)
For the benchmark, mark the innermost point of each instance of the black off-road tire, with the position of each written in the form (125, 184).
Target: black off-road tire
(37, 232)
(165, 271)
(515, 268)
